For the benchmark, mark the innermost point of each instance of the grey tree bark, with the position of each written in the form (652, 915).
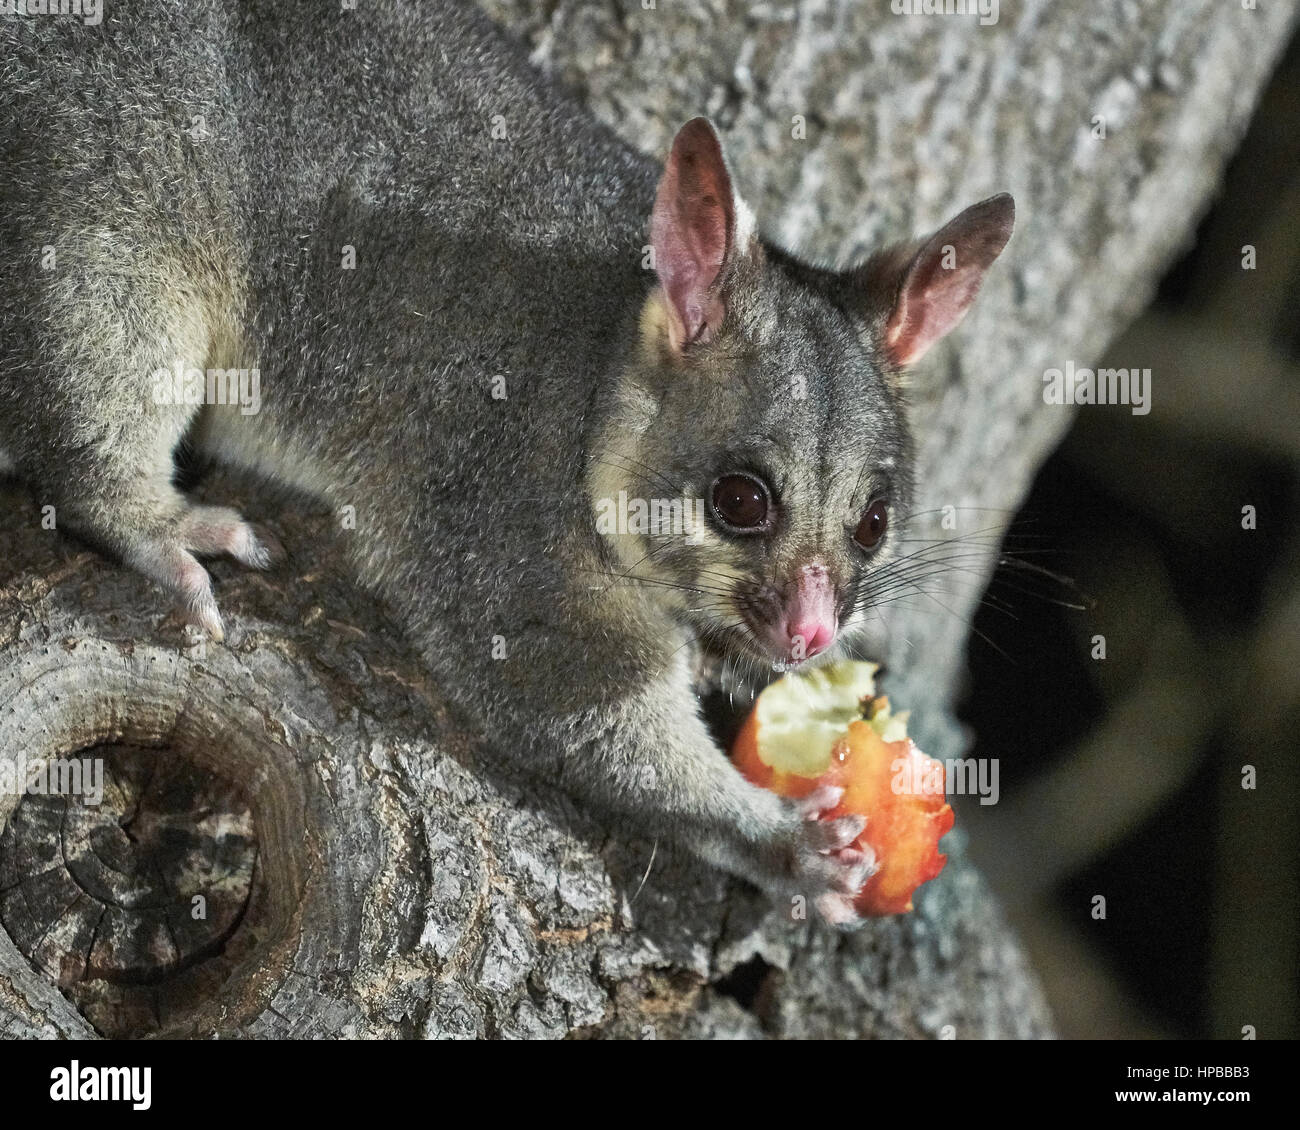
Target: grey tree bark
(297, 838)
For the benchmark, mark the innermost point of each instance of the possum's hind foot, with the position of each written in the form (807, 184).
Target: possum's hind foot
(169, 559)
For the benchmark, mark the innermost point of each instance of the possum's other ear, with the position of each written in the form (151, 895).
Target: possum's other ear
(697, 227)
(925, 289)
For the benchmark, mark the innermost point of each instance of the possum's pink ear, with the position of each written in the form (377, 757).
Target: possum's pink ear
(937, 285)
(693, 231)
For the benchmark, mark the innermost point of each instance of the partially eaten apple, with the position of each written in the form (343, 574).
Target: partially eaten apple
(828, 727)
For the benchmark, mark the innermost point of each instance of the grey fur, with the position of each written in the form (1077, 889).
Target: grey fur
(198, 168)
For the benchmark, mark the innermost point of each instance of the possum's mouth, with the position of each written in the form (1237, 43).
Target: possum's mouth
(727, 690)
(726, 653)
(732, 665)
(760, 638)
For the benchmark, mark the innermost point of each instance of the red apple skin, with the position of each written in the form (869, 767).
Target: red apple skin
(903, 828)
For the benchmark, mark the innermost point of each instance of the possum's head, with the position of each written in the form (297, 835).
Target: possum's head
(756, 462)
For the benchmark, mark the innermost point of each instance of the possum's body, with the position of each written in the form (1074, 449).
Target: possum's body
(204, 168)
(419, 273)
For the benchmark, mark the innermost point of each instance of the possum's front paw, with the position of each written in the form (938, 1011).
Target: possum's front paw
(810, 860)
(823, 860)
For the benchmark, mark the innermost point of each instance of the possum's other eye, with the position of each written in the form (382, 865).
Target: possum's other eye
(742, 503)
(875, 519)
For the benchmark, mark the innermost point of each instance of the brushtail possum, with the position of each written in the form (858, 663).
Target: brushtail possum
(589, 423)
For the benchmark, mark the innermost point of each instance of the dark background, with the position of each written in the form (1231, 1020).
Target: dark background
(1144, 749)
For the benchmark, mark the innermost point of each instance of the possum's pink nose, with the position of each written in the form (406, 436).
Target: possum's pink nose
(814, 636)
(809, 624)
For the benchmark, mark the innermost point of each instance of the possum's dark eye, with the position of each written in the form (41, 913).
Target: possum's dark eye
(741, 502)
(875, 519)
